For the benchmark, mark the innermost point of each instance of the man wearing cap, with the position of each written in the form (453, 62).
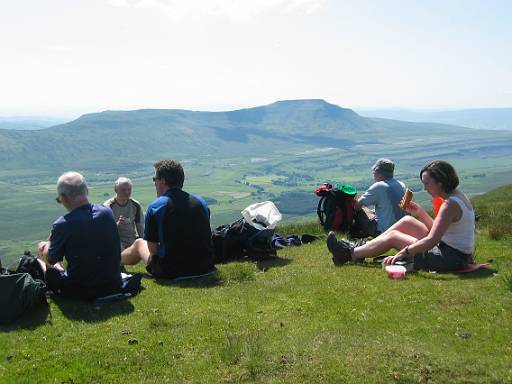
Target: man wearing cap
(385, 195)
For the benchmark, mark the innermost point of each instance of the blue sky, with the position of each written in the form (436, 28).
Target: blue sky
(72, 57)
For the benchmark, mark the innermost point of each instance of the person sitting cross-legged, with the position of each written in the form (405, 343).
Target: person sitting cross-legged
(443, 244)
(177, 234)
(87, 239)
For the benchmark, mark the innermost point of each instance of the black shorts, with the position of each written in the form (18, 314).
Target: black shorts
(442, 258)
(59, 283)
(156, 268)
(159, 267)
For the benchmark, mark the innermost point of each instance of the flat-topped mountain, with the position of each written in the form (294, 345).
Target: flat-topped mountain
(141, 136)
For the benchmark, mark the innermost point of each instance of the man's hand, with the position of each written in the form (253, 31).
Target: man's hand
(121, 220)
(42, 246)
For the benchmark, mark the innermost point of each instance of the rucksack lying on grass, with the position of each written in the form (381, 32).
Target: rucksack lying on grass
(240, 240)
(19, 292)
(21, 289)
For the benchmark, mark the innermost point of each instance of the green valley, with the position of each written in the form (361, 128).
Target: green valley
(278, 152)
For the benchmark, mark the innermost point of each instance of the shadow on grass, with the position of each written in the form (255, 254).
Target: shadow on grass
(274, 262)
(30, 320)
(91, 312)
(207, 281)
(263, 264)
(478, 274)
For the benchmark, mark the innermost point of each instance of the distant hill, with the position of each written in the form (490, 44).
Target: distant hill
(480, 118)
(126, 138)
(29, 122)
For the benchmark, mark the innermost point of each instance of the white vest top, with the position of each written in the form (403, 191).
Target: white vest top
(461, 234)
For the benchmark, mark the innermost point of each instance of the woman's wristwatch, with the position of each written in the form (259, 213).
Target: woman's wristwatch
(407, 251)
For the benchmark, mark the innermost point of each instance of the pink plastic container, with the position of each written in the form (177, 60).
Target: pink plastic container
(396, 272)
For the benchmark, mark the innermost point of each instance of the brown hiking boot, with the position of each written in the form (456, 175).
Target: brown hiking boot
(341, 250)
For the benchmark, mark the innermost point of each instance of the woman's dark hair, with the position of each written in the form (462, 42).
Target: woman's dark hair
(443, 173)
(171, 171)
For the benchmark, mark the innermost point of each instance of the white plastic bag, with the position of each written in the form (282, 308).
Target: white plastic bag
(265, 212)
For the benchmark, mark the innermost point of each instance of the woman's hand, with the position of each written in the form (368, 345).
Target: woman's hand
(413, 208)
(393, 259)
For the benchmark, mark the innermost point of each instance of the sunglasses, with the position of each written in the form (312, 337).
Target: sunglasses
(156, 178)
(57, 199)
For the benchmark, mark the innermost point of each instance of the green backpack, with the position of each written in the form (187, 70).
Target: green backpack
(19, 292)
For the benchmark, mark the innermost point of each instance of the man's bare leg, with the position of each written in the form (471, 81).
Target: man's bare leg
(135, 253)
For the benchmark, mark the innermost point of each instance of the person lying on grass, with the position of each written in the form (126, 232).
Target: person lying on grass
(443, 244)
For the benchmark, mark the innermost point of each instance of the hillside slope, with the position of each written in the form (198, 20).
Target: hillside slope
(121, 138)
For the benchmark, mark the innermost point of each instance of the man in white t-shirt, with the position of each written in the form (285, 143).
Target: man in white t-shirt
(127, 212)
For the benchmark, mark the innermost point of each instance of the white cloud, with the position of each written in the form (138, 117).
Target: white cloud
(230, 8)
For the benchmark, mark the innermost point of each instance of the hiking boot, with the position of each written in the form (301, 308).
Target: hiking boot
(341, 250)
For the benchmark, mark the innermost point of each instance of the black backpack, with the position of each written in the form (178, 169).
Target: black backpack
(364, 225)
(29, 264)
(241, 240)
(335, 209)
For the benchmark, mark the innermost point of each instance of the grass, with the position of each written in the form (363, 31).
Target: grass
(297, 318)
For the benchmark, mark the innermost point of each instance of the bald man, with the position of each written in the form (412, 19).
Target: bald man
(86, 237)
(127, 212)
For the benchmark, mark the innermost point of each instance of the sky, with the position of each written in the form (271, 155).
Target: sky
(70, 57)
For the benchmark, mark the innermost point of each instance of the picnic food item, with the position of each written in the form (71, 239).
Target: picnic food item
(406, 199)
(396, 272)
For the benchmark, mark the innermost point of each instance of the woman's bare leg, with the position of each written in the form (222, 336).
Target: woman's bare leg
(383, 243)
(410, 226)
(405, 232)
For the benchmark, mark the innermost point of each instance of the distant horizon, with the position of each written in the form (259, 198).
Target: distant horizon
(234, 107)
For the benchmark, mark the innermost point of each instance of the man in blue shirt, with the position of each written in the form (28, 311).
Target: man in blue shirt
(385, 195)
(87, 238)
(177, 234)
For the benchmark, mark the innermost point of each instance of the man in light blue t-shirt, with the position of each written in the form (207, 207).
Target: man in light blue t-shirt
(385, 195)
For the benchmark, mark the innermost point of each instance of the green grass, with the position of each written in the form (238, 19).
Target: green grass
(294, 319)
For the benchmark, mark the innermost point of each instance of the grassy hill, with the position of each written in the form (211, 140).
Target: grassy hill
(294, 319)
(123, 139)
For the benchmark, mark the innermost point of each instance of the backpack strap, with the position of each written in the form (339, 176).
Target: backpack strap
(320, 211)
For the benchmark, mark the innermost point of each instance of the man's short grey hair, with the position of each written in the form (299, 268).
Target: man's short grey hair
(73, 185)
(122, 180)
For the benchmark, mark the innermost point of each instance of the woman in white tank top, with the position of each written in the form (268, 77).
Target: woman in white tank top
(441, 244)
